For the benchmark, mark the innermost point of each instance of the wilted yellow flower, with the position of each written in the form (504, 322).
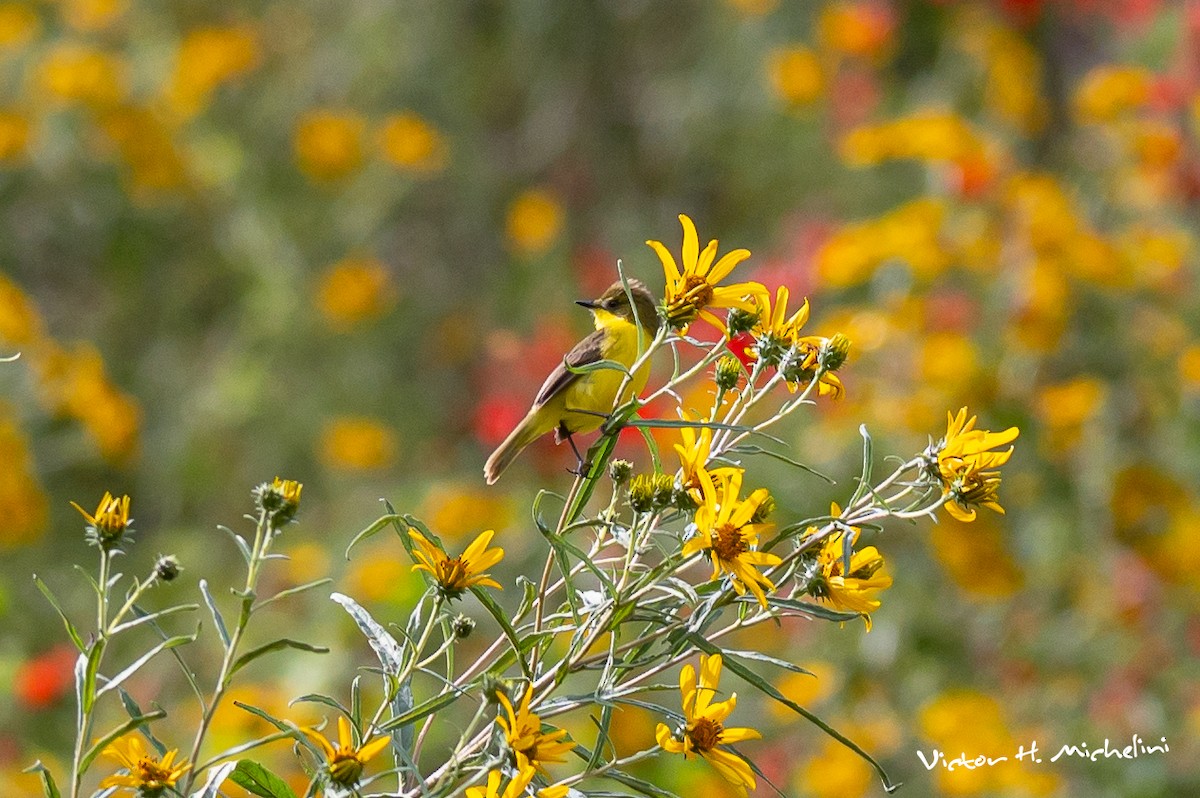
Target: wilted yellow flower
(962, 462)
(796, 75)
(209, 57)
(110, 522)
(726, 531)
(354, 290)
(329, 143)
(704, 730)
(148, 776)
(1108, 91)
(456, 574)
(534, 221)
(531, 746)
(23, 501)
(20, 322)
(75, 73)
(856, 589)
(90, 15)
(19, 23)
(345, 762)
(408, 141)
(695, 288)
(357, 444)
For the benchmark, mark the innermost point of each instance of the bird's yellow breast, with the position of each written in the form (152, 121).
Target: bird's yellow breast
(596, 391)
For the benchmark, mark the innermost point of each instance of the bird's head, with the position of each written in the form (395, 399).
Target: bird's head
(634, 306)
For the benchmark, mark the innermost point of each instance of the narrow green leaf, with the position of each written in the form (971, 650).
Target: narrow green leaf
(154, 616)
(75, 638)
(750, 448)
(187, 672)
(809, 608)
(509, 632)
(257, 780)
(291, 591)
(275, 645)
(598, 365)
(374, 527)
(172, 642)
(49, 788)
(119, 731)
(242, 545)
(133, 710)
(422, 710)
(321, 698)
(94, 655)
(391, 656)
(216, 614)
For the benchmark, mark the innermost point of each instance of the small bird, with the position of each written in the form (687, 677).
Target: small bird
(569, 402)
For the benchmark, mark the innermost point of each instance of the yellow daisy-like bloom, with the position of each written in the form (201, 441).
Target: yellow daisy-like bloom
(693, 454)
(775, 332)
(523, 731)
(726, 530)
(344, 763)
(856, 590)
(516, 786)
(704, 730)
(456, 574)
(108, 526)
(694, 289)
(148, 775)
(965, 463)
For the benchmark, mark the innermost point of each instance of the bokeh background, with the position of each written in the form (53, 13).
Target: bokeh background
(339, 242)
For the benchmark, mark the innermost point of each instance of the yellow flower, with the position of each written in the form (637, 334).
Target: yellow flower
(693, 454)
(14, 136)
(516, 786)
(726, 530)
(1108, 91)
(963, 458)
(74, 73)
(110, 522)
(409, 142)
(694, 289)
(209, 57)
(92, 15)
(523, 731)
(23, 502)
(328, 144)
(778, 343)
(534, 221)
(148, 775)
(704, 728)
(357, 444)
(856, 590)
(454, 575)
(345, 763)
(19, 23)
(796, 75)
(354, 290)
(772, 328)
(20, 322)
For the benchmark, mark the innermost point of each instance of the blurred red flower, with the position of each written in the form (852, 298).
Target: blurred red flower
(41, 681)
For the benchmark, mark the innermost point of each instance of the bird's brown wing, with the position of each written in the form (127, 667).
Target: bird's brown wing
(586, 351)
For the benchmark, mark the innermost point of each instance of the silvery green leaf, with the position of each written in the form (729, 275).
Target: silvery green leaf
(391, 656)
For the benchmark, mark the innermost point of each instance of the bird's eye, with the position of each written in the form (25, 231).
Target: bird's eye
(610, 303)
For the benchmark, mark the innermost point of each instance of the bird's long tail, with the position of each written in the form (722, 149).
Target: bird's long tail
(525, 433)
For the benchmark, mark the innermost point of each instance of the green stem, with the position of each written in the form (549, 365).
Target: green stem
(262, 542)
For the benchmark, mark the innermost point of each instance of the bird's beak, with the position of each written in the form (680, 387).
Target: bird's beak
(590, 304)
